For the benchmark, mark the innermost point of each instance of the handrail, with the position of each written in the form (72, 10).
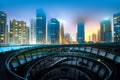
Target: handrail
(35, 48)
(109, 71)
(67, 68)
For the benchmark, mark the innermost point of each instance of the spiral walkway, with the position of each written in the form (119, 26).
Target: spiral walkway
(63, 62)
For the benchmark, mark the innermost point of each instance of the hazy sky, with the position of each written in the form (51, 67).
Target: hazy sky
(69, 11)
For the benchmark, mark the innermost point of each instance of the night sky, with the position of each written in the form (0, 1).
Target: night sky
(67, 11)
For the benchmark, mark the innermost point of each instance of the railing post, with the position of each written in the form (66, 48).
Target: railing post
(31, 56)
(98, 51)
(84, 48)
(37, 53)
(25, 58)
(91, 50)
(18, 60)
(98, 70)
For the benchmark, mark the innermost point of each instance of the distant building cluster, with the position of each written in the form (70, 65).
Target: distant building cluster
(42, 31)
(109, 31)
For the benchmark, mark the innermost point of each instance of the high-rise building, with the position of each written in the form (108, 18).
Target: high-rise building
(3, 28)
(18, 32)
(94, 37)
(40, 27)
(116, 24)
(80, 32)
(32, 31)
(6, 35)
(90, 38)
(48, 33)
(61, 34)
(53, 31)
(98, 36)
(27, 35)
(106, 31)
(67, 38)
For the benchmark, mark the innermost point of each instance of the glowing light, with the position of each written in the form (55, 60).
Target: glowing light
(106, 18)
(33, 42)
(61, 20)
(99, 60)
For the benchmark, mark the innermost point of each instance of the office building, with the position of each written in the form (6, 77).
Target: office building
(98, 36)
(53, 31)
(116, 27)
(80, 32)
(17, 32)
(67, 38)
(3, 28)
(40, 27)
(61, 33)
(106, 31)
(94, 38)
(32, 31)
(27, 35)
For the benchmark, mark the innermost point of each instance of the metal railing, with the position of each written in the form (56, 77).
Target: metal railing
(25, 56)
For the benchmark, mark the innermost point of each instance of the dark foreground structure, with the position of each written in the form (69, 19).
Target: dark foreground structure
(62, 62)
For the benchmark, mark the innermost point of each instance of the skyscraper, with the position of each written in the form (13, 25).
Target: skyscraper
(94, 37)
(106, 31)
(67, 38)
(40, 26)
(3, 28)
(80, 32)
(53, 31)
(90, 38)
(27, 35)
(61, 33)
(116, 24)
(33, 31)
(18, 32)
(98, 36)
(48, 33)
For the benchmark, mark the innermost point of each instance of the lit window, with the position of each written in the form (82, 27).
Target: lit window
(16, 23)
(3, 14)
(2, 38)
(53, 23)
(2, 34)
(39, 18)
(16, 35)
(19, 24)
(2, 22)
(11, 32)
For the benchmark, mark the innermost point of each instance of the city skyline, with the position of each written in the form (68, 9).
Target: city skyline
(68, 12)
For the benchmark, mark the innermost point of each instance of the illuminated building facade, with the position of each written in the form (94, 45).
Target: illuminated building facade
(116, 24)
(106, 31)
(94, 37)
(48, 33)
(3, 28)
(40, 27)
(80, 32)
(27, 35)
(18, 32)
(32, 31)
(98, 36)
(67, 38)
(61, 34)
(53, 31)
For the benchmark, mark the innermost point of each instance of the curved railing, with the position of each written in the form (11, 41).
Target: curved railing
(99, 68)
(26, 56)
(66, 72)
